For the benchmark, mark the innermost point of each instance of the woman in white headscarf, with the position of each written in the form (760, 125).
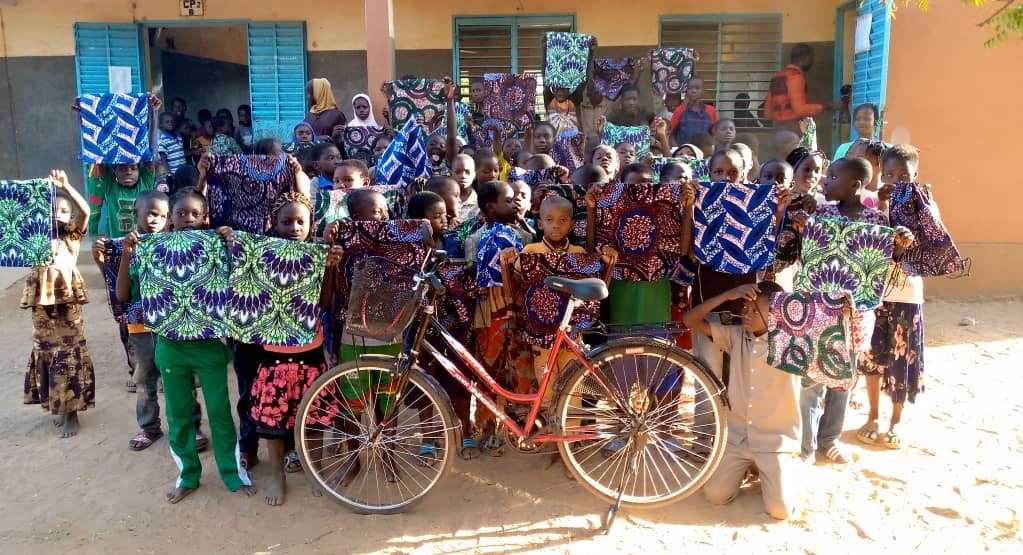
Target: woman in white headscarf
(362, 112)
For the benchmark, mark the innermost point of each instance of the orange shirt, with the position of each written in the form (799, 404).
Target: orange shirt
(786, 98)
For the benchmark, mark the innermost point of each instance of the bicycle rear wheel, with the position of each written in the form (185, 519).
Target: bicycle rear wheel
(649, 422)
(368, 467)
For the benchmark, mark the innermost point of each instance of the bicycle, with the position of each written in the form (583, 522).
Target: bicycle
(638, 421)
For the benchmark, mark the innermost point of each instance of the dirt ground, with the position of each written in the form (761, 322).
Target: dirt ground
(954, 488)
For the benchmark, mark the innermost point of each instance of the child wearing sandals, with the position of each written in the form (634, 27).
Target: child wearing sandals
(284, 373)
(897, 346)
(151, 210)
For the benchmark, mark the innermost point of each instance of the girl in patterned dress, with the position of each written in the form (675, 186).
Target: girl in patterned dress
(60, 375)
(285, 373)
(895, 362)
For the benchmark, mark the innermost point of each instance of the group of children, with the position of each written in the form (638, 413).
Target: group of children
(489, 203)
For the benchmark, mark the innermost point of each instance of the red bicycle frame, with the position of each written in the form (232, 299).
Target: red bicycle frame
(535, 400)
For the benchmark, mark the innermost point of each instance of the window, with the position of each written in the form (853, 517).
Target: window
(738, 54)
(511, 44)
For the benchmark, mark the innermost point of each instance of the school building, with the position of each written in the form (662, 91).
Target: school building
(939, 86)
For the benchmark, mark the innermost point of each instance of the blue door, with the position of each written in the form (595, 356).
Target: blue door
(277, 77)
(870, 68)
(100, 46)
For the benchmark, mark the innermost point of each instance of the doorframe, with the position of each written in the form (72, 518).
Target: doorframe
(144, 36)
(841, 11)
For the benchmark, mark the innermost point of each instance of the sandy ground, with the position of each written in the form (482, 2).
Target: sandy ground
(954, 488)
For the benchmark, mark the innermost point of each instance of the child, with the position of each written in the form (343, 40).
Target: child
(285, 373)
(764, 423)
(822, 426)
(437, 152)
(60, 375)
(477, 94)
(872, 152)
(498, 348)
(864, 118)
(523, 202)
(510, 147)
(556, 222)
(588, 174)
(431, 207)
(725, 166)
(463, 170)
(808, 169)
(450, 192)
(592, 110)
(749, 162)
(562, 113)
(223, 142)
(629, 112)
(690, 151)
(180, 362)
(783, 269)
(151, 210)
(112, 192)
(202, 138)
(626, 154)
(268, 146)
(897, 346)
(671, 102)
(704, 142)
(325, 160)
(785, 142)
(488, 166)
(351, 174)
(724, 134)
(543, 138)
(170, 142)
(676, 173)
(694, 116)
(607, 158)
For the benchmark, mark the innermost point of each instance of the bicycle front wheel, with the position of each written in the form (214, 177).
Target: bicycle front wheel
(354, 453)
(648, 422)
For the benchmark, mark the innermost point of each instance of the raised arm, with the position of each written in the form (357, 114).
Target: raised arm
(450, 144)
(696, 319)
(59, 180)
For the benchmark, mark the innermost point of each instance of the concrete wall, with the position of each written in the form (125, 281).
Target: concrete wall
(204, 83)
(965, 137)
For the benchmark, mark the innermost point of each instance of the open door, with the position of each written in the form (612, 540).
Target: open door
(277, 77)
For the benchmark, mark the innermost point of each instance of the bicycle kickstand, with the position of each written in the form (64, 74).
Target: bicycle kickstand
(612, 511)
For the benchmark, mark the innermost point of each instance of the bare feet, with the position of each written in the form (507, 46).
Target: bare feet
(177, 494)
(276, 489)
(58, 420)
(249, 491)
(70, 425)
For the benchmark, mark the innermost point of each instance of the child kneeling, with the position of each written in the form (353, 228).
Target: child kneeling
(764, 423)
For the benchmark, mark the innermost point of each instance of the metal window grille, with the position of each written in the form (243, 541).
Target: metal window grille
(511, 44)
(738, 54)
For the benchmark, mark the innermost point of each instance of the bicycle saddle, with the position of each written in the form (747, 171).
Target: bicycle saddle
(589, 289)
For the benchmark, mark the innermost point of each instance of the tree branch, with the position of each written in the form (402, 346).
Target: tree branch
(1006, 4)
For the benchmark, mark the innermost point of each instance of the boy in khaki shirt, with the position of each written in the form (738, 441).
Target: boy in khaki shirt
(764, 423)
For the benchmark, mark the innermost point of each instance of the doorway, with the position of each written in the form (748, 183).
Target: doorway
(206, 65)
(845, 31)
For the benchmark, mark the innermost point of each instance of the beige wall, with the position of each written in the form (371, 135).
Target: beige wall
(227, 44)
(955, 99)
(46, 27)
(615, 23)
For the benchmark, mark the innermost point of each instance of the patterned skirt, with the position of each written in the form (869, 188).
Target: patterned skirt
(897, 351)
(281, 381)
(60, 375)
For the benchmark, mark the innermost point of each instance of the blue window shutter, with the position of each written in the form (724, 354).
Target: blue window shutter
(277, 77)
(101, 45)
(870, 69)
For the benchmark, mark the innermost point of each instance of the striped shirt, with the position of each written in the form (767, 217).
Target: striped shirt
(170, 146)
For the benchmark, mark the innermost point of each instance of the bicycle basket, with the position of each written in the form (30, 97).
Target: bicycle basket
(383, 299)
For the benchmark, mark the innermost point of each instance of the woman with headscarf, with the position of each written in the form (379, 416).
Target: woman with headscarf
(324, 114)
